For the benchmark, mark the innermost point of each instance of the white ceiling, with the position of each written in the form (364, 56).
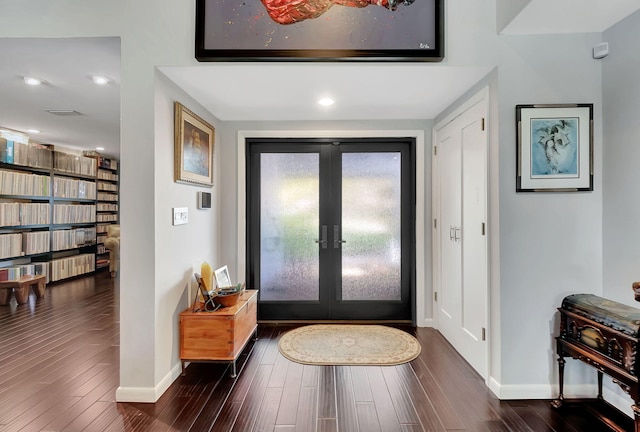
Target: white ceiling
(246, 91)
(570, 16)
(268, 91)
(66, 65)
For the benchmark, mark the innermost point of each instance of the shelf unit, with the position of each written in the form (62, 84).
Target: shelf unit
(48, 202)
(107, 206)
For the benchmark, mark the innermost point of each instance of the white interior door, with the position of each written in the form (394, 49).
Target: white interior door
(462, 251)
(450, 294)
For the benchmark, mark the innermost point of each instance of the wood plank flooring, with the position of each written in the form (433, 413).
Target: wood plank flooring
(59, 372)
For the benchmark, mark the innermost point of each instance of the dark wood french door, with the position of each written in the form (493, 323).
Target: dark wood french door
(331, 226)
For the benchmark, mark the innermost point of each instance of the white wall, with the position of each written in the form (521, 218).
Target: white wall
(550, 244)
(179, 250)
(622, 160)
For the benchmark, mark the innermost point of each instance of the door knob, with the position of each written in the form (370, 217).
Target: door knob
(336, 237)
(323, 240)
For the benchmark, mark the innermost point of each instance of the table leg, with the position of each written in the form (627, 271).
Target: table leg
(636, 416)
(5, 296)
(558, 402)
(39, 288)
(233, 369)
(600, 385)
(22, 293)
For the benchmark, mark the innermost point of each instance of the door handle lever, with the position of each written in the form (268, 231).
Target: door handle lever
(323, 240)
(336, 237)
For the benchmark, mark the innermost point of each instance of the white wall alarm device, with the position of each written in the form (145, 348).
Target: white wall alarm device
(204, 200)
(601, 50)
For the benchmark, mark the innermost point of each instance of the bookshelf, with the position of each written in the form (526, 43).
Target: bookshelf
(107, 205)
(48, 212)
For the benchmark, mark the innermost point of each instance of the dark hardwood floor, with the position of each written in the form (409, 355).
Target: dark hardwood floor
(59, 372)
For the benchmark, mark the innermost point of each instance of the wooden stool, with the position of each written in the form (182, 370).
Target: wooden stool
(20, 288)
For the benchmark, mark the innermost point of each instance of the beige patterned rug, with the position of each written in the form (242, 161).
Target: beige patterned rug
(348, 344)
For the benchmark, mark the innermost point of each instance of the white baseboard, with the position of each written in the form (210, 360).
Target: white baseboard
(426, 322)
(148, 394)
(550, 391)
(540, 391)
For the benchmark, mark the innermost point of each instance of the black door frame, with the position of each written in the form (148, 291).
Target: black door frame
(300, 310)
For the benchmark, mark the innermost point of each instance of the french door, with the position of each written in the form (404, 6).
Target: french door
(331, 228)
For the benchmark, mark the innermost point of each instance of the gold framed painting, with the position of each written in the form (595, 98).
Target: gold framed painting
(194, 141)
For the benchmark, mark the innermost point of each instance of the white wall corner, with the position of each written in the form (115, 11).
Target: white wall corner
(507, 10)
(148, 394)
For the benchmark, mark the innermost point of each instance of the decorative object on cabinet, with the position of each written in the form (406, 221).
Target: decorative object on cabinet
(554, 148)
(207, 276)
(223, 280)
(112, 244)
(218, 336)
(227, 299)
(194, 140)
(371, 30)
(203, 300)
(604, 334)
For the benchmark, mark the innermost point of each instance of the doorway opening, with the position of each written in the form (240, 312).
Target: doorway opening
(331, 227)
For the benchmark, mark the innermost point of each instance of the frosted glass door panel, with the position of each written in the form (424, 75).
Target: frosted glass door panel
(289, 220)
(371, 235)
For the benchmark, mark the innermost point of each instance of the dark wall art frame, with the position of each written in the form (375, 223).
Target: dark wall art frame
(400, 30)
(554, 148)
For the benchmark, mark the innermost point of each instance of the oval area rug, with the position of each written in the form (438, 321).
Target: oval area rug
(348, 344)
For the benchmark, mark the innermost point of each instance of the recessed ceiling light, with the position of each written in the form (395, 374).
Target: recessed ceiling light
(32, 81)
(33, 131)
(326, 101)
(99, 148)
(100, 80)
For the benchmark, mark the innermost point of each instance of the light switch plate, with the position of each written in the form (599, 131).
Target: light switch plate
(180, 215)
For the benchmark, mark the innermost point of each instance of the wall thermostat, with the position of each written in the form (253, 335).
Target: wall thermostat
(204, 200)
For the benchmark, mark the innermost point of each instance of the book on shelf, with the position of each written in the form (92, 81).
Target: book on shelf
(6, 150)
(16, 272)
(75, 265)
(75, 164)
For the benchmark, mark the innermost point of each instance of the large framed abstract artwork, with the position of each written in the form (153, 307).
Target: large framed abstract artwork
(555, 148)
(320, 30)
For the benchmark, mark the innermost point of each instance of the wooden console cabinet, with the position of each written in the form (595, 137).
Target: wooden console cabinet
(218, 336)
(606, 335)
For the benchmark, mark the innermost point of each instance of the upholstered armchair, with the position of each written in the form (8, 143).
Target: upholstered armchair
(112, 243)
